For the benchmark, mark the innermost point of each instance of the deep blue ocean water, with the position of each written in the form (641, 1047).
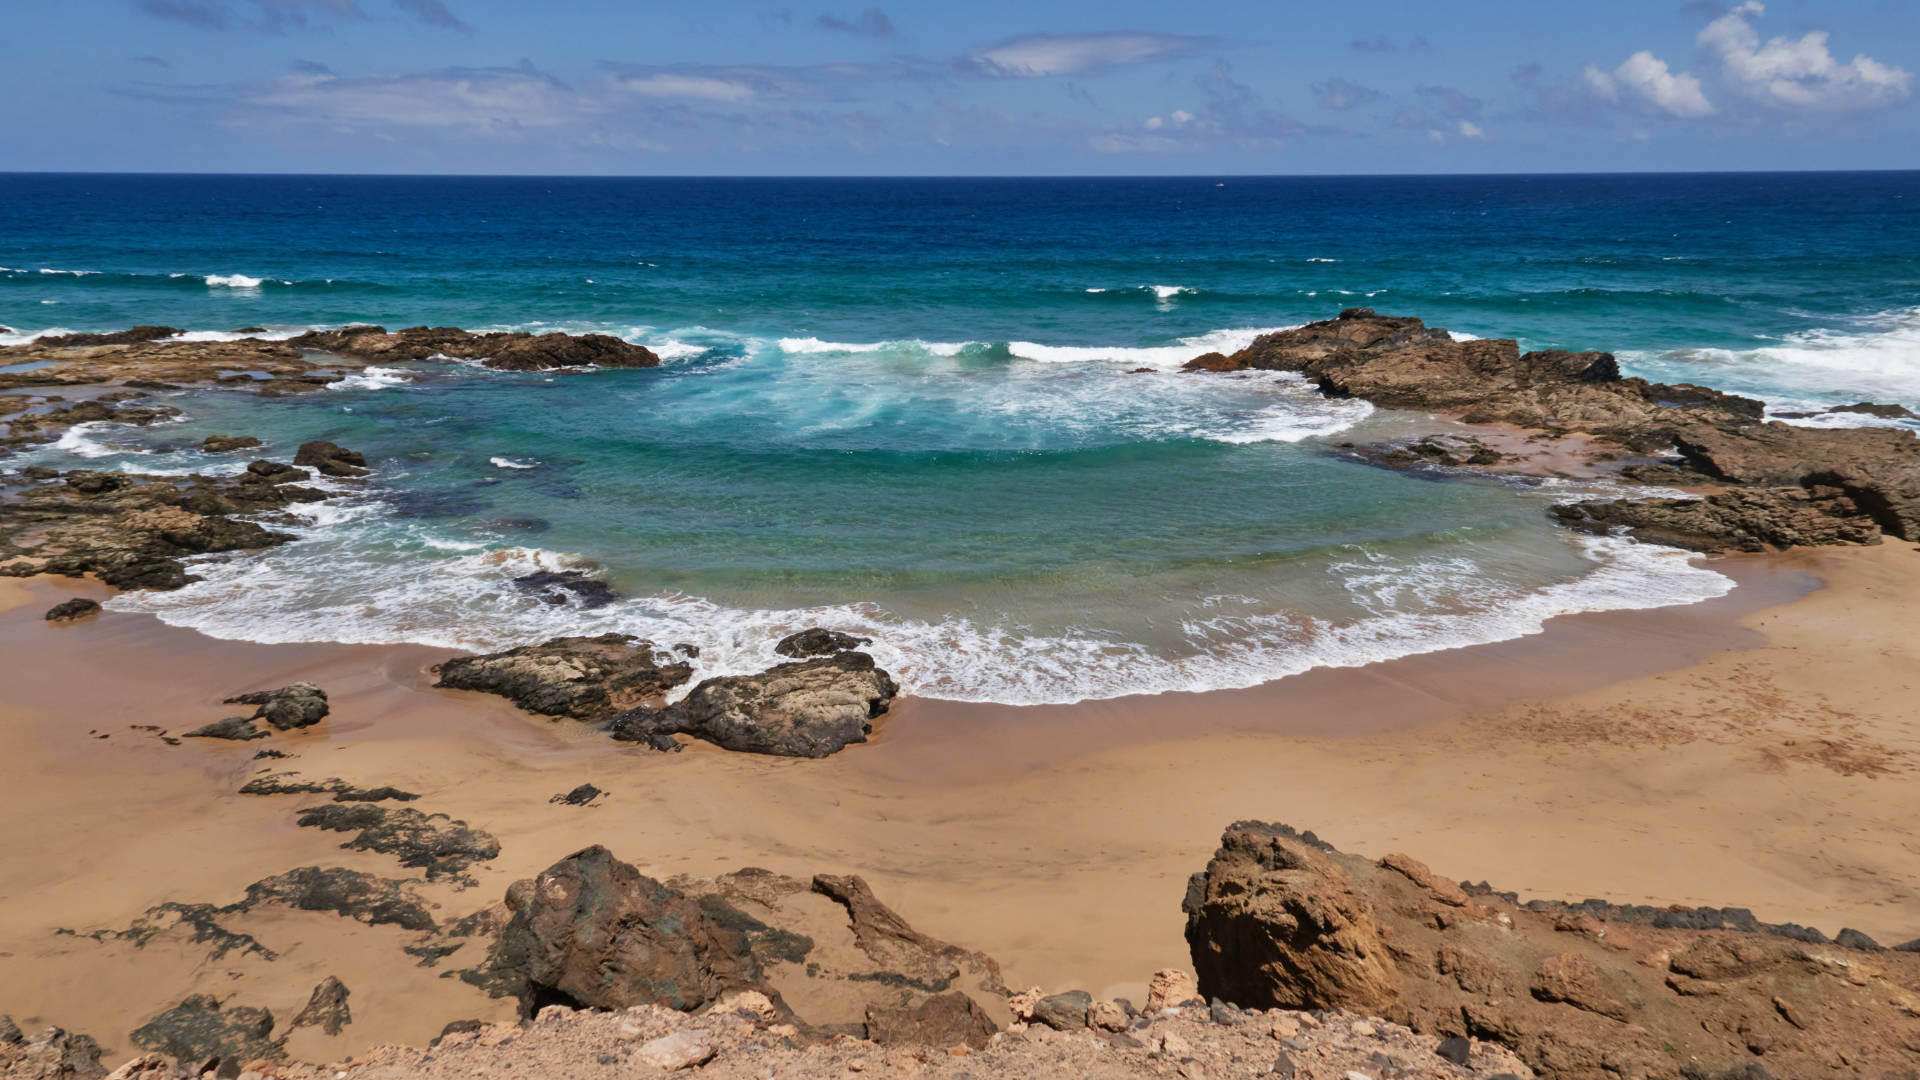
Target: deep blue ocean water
(905, 407)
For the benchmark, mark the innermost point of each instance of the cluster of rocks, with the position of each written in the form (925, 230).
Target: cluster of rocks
(301, 705)
(506, 351)
(1766, 483)
(823, 701)
(1280, 919)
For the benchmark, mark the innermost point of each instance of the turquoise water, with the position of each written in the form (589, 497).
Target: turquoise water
(901, 407)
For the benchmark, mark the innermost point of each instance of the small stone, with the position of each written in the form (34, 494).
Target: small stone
(1364, 1029)
(1107, 1016)
(1456, 1049)
(1123, 1041)
(1224, 1013)
(1283, 1066)
(1172, 1045)
(1171, 987)
(670, 1053)
(959, 1051)
(1064, 1011)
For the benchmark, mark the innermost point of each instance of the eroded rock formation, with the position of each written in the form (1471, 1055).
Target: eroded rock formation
(586, 678)
(812, 708)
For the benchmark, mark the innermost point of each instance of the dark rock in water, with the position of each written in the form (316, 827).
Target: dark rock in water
(521, 524)
(198, 1029)
(687, 649)
(89, 482)
(220, 444)
(819, 642)
(1742, 519)
(1884, 412)
(152, 384)
(567, 586)
(582, 677)
(580, 796)
(1576, 991)
(326, 1009)
(331, 460)
(233, 727)
(133, 336)
(808, 709)
(51, 1054)
(297, 706)
(949, 1019)
(251, 330)
(507, 351)
(1212, 361)
(76, 608)
(39, 472)
(276, 472)
(433, 842)
(1457, 451)
(1064, 1011)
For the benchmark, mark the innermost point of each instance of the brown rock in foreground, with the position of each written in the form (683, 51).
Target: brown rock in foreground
(585, 678)
(812, 708)
(1579, 992)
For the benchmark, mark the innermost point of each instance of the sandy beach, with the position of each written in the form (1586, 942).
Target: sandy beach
(1747, 751)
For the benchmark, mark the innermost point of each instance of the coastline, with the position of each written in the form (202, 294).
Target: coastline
(1732, 752)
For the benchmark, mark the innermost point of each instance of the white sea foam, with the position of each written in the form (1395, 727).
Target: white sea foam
(235, 281)
(79, 441)
(813, 346)
(1154, 356)
(509, 463)
(1320, 260)
(372, 378)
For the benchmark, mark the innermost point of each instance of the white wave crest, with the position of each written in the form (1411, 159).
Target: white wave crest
(372, 378)
(239, 281)
(1163, 357)
(509, 463)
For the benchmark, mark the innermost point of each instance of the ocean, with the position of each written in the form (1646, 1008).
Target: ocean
(915, 409)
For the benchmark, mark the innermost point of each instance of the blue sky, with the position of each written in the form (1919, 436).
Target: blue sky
(998, 87)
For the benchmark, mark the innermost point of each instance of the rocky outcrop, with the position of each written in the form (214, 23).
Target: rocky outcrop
(326, 1008)
(1578, 992)
(586, 678)
(71, 610)
(808, 709)
(1723, 440)
(436, 843)
(297, 706)
(1743, 519)
(593, 932)
(199, 1030)
(330, 460)
(222, 444)
(133, 336)
(507, 351)
(818, 642)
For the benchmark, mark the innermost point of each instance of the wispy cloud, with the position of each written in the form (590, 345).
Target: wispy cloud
(433, 13)
(1380, 43)
(872, 22)
(1339, 95)
(280, 16)
(1040, 55)
(1799, 74)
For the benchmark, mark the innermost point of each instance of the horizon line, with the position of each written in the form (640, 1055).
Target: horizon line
(959, 176)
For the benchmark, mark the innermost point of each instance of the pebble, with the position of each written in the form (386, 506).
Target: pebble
(679, 1050)
(1364, 1030)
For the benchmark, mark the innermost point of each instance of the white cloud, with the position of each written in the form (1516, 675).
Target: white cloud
(702, 87)
(1037, 55)
(1471, 130)
(488, 99)
(1154, 123)
(1648, 78)
(1798, 73)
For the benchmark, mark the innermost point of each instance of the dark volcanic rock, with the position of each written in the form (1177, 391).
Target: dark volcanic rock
(221, 444)
(198, 1029)
(508, 351)
(580, 796)
(582, 677)
(1065, 1011)
(567, 586)
(1578, 991)
(297, 706)
(357, 895)
(818, 642)
(1743, 519)
(592, 931)
(331, 460)
(441, 846)
(233, 727)
(77, 608)
(120, 337)
(285, 784)
(808, 709)
(1884, 412)
(326, 1009)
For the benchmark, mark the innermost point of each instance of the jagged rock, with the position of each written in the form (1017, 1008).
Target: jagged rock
(433, 842)
(507, 351)
(221, 444)
(326, 1009)
(1743, 519)
(593, 932)
(51, 1054)
(818, 642)
(331, 460)
(582, 677)
(1884, 412)
(284, 784)
(69, 610)
(1578, 991)
(240, 728)
(808, 709)
(198, 1028)
(580, 796)
(1450, 450)
(297, 706)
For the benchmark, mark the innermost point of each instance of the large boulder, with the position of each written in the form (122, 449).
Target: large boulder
(812, 708)
(594, 932)
(331, 460)
(586, 678)
(1587, 991)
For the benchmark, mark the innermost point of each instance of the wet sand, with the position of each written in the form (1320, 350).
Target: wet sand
(1755, 750)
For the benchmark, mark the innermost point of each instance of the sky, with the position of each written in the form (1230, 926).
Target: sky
(988, 87)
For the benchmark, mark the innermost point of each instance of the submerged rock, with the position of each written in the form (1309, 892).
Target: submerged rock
(808, 709)
(585, 678)
(818, 642)
(567, 586)
(132, 336)
(221, 444)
